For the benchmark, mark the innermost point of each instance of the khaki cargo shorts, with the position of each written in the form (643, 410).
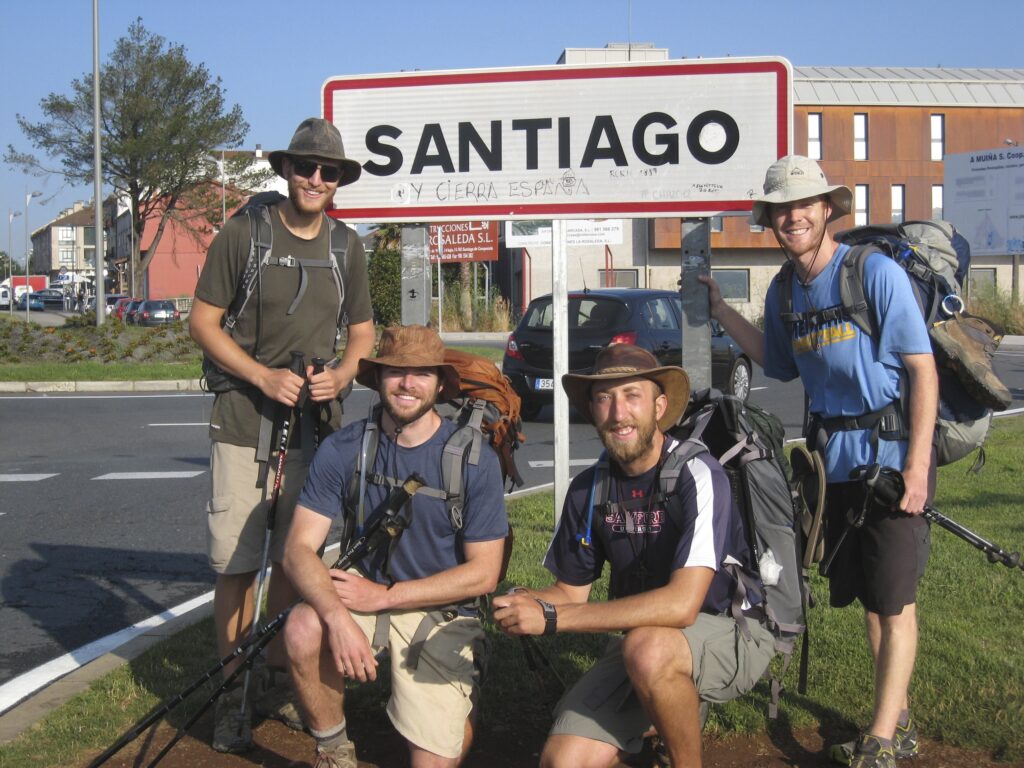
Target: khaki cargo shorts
(237, 511)
(602, 705)
(429, 705)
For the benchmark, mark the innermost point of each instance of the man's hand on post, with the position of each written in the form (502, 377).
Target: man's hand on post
(518, 613)
(280, 384)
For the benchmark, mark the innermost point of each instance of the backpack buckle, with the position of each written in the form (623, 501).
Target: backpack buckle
(287, 261)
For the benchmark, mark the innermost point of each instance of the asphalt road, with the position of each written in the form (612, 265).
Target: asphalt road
(102, 515)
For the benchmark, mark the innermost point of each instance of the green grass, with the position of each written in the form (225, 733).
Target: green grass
(968, 688)
(96, 371)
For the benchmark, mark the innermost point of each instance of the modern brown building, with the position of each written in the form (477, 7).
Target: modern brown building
(883, 132)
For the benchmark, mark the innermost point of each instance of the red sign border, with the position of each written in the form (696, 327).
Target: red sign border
(644, 209)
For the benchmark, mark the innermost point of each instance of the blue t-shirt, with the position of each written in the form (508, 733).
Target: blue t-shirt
(646, 544)
(429, 545)
(844, 371)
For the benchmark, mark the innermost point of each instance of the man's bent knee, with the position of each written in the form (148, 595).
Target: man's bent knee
(652, 653)
(303, 633)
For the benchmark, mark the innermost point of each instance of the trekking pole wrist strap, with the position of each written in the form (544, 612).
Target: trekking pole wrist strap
(550, 616)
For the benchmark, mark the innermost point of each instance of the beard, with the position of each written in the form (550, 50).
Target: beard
(302, 204)
(404, 416)
(626, 453)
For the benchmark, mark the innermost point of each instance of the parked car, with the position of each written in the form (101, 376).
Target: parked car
(156, 312)
(129, 311)
(5, 297)
(117, 311)
(111, 300)
(649, 318)
(52, 298)
(35, 303)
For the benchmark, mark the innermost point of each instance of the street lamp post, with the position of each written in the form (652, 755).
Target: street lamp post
(28, 247)
(11, 216)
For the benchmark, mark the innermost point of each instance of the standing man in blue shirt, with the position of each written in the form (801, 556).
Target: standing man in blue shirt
(870, 400)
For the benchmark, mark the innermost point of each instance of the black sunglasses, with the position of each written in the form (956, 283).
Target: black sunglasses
(306, 168)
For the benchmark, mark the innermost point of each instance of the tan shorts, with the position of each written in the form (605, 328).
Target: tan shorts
(237, 511)
(602, 705)
(429, 705)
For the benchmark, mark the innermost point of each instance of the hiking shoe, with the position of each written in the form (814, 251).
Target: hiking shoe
(274, 697)
(966, 345)
(904, 745)
(866, 752)
(339, 757)
(232, 727)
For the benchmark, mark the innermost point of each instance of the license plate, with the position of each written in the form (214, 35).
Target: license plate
(544, 384)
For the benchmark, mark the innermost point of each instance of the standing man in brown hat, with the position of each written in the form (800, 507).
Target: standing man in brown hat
(299, 297)
(673, 562)
(420, 599)
(871, 400)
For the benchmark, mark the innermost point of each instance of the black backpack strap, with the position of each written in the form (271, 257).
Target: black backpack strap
(851, 289)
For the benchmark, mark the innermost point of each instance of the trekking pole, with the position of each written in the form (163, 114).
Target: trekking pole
(886, 485)
(387, 524)
(297, 366)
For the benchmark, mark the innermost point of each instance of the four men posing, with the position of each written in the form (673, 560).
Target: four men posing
(672, 560)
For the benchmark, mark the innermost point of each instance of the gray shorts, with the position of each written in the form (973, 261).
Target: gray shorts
(602, 705)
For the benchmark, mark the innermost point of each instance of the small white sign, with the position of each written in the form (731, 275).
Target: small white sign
(984, 199)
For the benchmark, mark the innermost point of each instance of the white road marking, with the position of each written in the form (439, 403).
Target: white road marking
(149, 475)
(572, 463)
(182, 424)
(26, 478)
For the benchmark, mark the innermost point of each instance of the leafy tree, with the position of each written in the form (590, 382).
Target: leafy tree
(384, 273)
(162, 117)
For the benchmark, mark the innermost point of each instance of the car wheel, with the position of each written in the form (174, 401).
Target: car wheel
(529, 409)
(739, 378)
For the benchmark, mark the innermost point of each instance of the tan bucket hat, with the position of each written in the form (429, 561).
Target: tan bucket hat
(318, 139)
(410, 346)
(796, 177)
(626, 361)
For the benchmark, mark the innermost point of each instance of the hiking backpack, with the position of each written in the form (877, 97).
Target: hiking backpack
(261, 255)
(747, 442)
(937, 259)
(487, 408)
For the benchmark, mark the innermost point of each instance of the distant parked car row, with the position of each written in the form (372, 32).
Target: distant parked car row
(134, 311)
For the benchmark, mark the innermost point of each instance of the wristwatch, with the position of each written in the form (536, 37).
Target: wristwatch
(550, 616)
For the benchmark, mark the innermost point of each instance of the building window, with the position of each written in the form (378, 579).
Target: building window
(735, 283)
(620, 278)
(756, 228)
(982, 280)
(899, 193)
(716, 223)
(67, 256)
(938, 136)
(66, 234)
(814, 135)
(860, 136)
(860, 205)
(936, 201)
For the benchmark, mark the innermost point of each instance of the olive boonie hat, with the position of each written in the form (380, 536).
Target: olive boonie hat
(796, 177)
(410, 346)
(319, 139)
(626, 361)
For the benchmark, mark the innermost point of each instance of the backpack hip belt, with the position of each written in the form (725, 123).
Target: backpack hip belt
(431, 618)
(888, 423)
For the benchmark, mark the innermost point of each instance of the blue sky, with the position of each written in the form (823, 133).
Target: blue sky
(273, 57)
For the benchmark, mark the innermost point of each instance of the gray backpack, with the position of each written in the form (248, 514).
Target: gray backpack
(936, 258)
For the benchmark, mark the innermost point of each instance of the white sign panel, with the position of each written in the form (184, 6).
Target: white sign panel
(563, 142)
(528, 234)
(984, 199)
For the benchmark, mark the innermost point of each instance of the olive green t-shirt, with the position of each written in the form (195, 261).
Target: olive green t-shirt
(265, 329)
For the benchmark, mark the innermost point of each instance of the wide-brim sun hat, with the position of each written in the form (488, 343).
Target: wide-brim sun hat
(410, 346)
(318, 139)
(796, 177)
(619, 362)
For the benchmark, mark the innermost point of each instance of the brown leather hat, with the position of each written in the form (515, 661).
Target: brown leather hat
(626, 361)
(319, 139)
(410, 346)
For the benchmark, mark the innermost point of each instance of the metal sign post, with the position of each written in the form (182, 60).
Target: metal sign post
(696, 260)
(416, 293)
(560, 340)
